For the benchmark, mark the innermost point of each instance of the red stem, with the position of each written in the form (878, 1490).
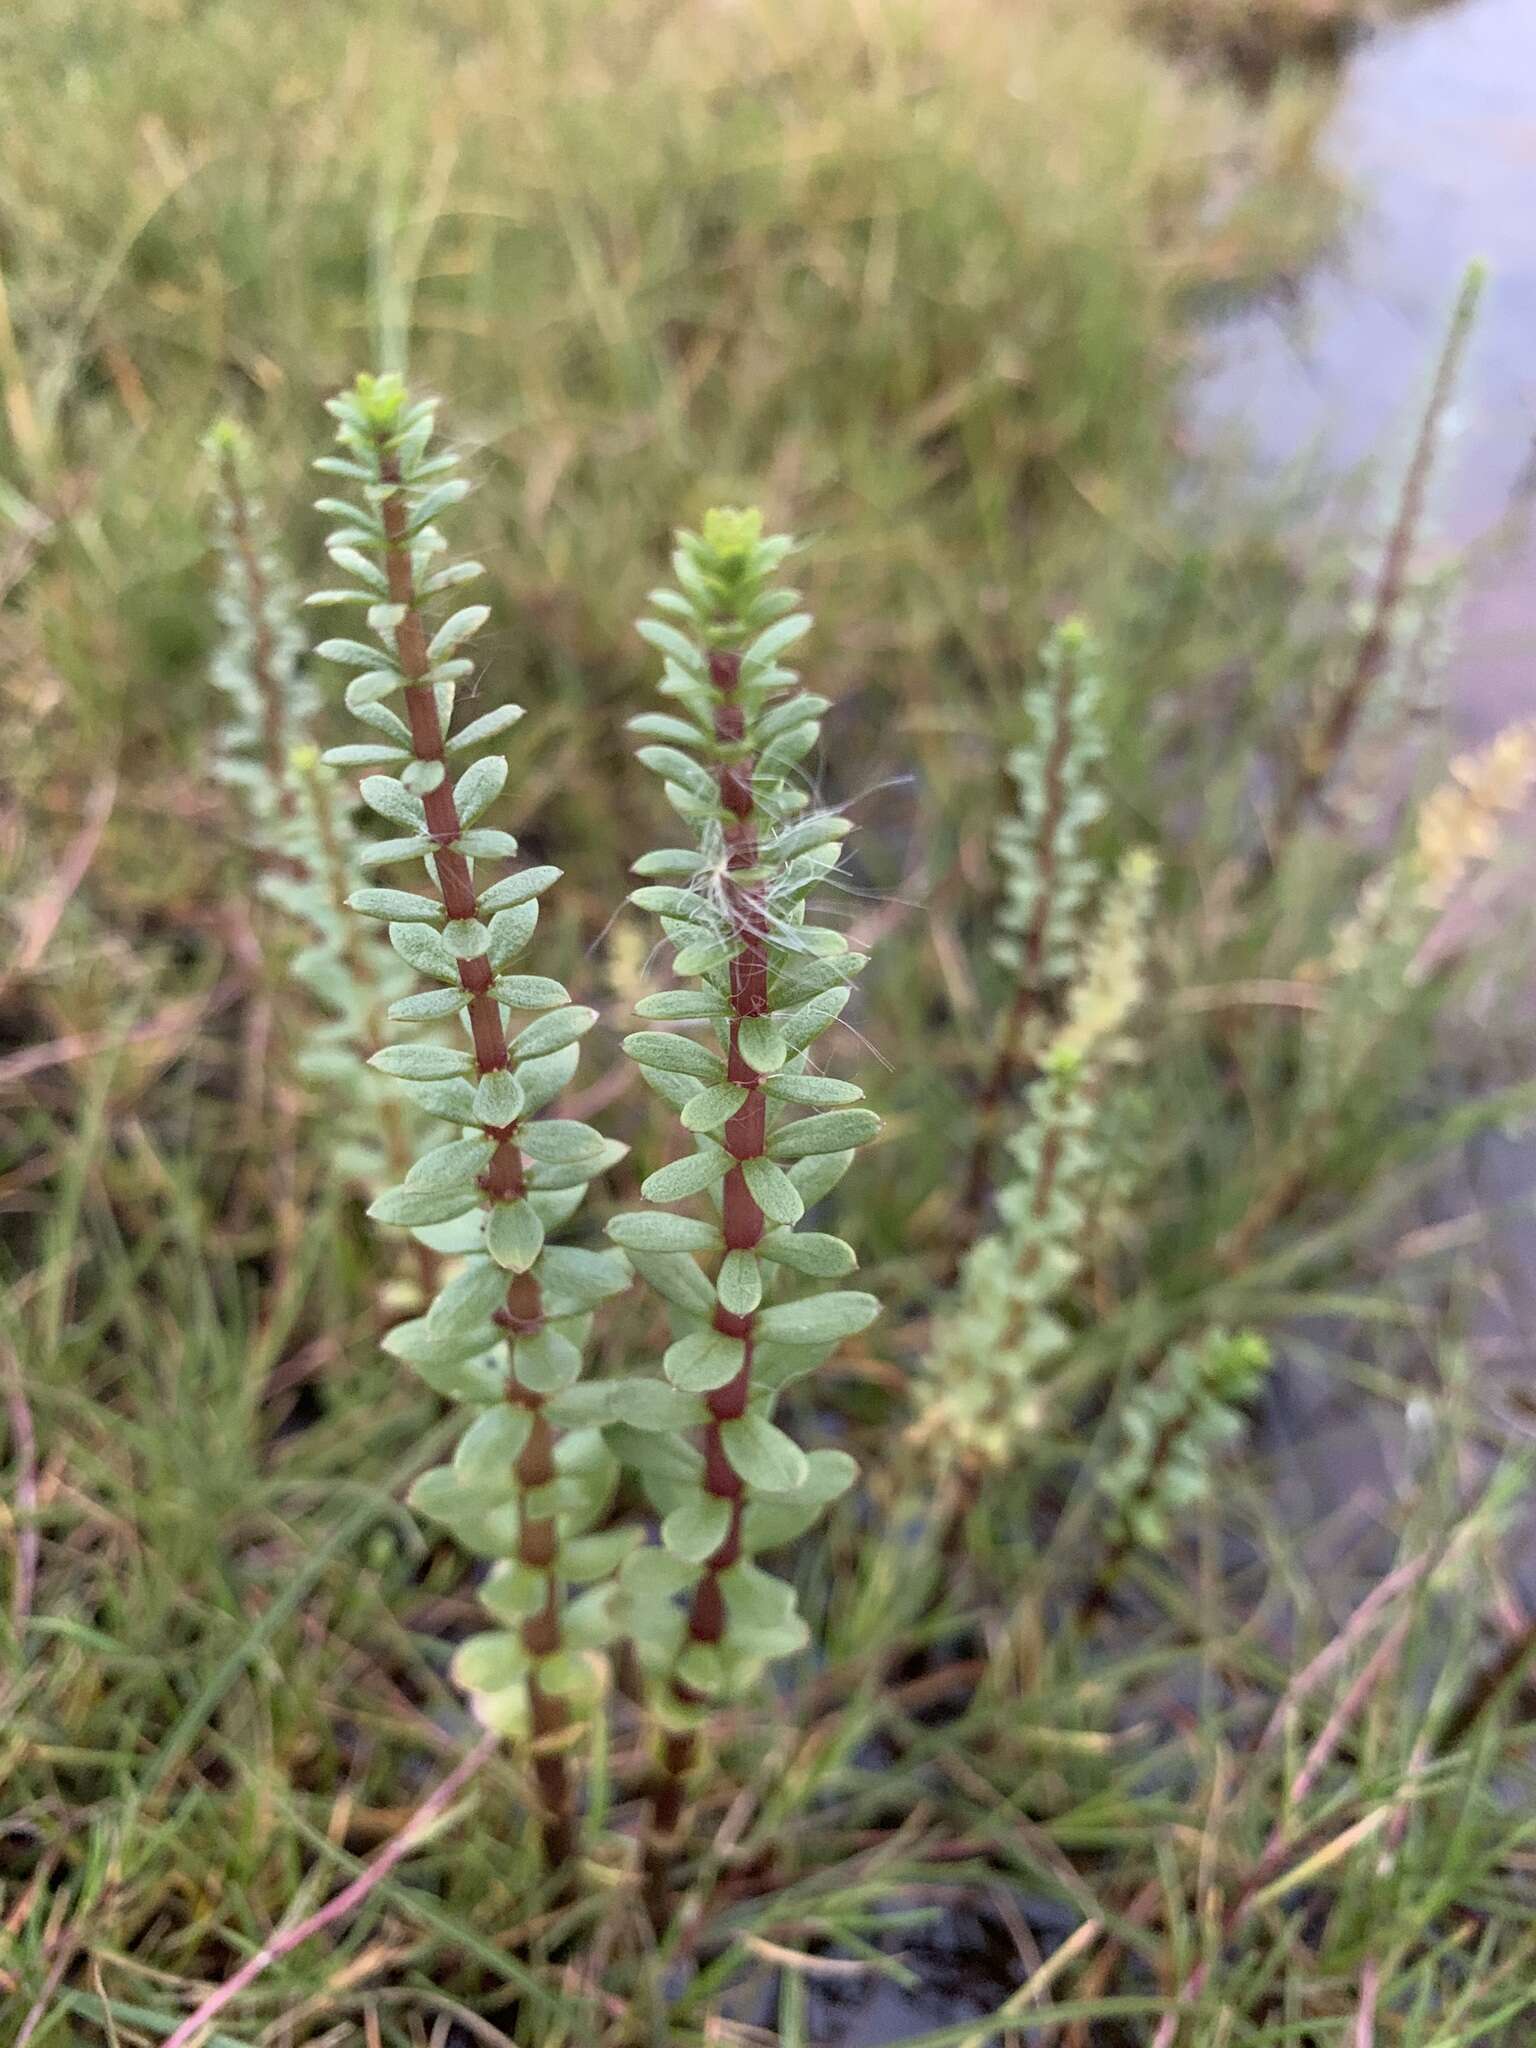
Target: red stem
(743, 1221)
(503, 1181)
(743, 1224)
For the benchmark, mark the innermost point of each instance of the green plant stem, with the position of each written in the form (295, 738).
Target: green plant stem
(1008, 1072)
(277, 741)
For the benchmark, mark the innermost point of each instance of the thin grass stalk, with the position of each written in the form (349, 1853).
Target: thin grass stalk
(1333, 727)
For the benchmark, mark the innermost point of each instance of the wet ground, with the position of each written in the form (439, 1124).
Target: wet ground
(1434, 132)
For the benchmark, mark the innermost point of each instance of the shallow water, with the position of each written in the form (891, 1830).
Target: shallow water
(1434, 132)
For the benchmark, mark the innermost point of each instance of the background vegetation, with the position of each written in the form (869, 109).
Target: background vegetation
(927, 281)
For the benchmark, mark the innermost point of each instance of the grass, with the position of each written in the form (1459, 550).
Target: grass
(927, 280)
(1256, 39)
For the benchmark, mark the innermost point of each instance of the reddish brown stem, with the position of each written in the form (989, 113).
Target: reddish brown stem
(503, 1180)
(744, 1221)
(669, 1798)
(743, 1224)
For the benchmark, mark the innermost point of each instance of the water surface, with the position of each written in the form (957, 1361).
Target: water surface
(1434, 133)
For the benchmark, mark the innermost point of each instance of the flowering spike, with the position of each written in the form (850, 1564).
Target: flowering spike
(1172, 1429)
(299, 816)
(1377, 952)
(985, 1384)
(1048, 875)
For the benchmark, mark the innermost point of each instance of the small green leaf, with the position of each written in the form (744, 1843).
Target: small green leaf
(427, 950)
(543, 1175)
(350, 654)
(642, 1232)
(739, 1284)
(510, 932)
(515, 1592)
(772, 1190)
(492, 1445)
(397, 905)
(837, 1131)
(812, 1252)
(761, 1044)
(696, 1530)
(452, 1102)
(772, 642)
(643, 1404)
(763, 1455)
(432, 1003)
(479, 786)
(598, 1556)
(676, 1278)
(814, 1091)
(703, 1360)
(367, 754)
(571, 1676)
(465, 937)
(669, 860)
(371, 687)
(712, 1108)
(408, 1207)
(679, 769)
(453, 1165)
(803, 1025)
(689, 1176)
(515, 889)
(383, 853)
(530, 992)
(553, 1033)
(484, 842)
(488, 1662)
(546, 1363)
(421, 1062)
(823, 1319)
(542, 1078)
(422, 777)
(437, 500)
(483, 729)
(391, 800)
(674, 1054)
(681, 904)
(671, 642)
(653, 1574)
(558, 1141)
(457, 629)
(682, 1004)
(817, 1176)
(514, 1236)
(498, 1099)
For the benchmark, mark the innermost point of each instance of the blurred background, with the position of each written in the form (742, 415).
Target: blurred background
(1014, 309)
(1016, 306)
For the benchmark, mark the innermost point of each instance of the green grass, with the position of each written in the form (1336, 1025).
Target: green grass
(926, 281)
